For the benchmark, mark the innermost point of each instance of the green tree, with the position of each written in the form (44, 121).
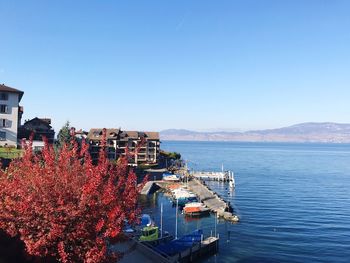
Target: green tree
(64, 135)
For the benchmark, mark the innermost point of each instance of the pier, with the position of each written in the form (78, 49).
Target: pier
(209, 198)
(150, 187)
(224, 176)
(217, 205)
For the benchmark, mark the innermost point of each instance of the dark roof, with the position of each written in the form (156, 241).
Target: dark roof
(141, 134)
(45, 121)
(48, 120)
(96, 134)
(152, 135)
(3, 87)
(132, 134)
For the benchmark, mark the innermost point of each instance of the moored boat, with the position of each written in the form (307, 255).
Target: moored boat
(171, 177)
(183, 197)
(151, 232)
(182, 201)
(196, 209)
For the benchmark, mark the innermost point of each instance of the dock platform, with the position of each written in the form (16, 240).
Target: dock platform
(135, 250)
(152, 186)
(224, 176)
(212, 201)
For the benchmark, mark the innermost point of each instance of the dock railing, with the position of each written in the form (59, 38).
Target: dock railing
(225, 176)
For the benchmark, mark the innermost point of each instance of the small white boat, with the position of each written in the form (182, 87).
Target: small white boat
(171, 177)
(177, 191)
(184, 194)
(195, 204)
(180, 191)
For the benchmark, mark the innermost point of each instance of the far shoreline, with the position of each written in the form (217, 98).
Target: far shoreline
(260, 142)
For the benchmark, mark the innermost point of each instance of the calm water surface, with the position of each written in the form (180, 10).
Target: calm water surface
(293, 200)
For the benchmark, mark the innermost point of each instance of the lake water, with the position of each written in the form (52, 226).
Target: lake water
(293, 200)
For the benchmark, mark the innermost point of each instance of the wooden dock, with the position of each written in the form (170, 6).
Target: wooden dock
(207, 247)
(142, 251)
(212, 201)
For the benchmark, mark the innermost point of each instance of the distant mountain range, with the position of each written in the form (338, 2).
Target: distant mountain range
(304, 132)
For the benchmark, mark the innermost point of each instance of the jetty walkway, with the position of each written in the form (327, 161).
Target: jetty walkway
(212, 200)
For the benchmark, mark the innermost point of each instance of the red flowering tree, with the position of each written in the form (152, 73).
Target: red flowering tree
(63, 206)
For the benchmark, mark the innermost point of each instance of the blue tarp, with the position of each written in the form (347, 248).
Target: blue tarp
(184, 200)
(146, 220)
(176, 246)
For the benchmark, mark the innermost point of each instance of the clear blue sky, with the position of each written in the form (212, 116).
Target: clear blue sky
(152, 65)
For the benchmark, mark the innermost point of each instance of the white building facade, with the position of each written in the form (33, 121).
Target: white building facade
(10, 115)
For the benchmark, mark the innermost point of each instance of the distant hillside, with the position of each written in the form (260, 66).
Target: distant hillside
(304, 132)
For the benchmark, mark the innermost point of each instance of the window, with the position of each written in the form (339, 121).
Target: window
(3, 108)
(4, 96)
(153, 231)
(5, 123)
(2, 136)
(96, 133)
(149, 232)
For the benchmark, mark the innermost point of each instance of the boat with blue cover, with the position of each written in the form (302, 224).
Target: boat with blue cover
(183, 196)
(179, 245)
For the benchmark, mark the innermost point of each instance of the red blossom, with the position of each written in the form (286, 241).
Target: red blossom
(63, 206)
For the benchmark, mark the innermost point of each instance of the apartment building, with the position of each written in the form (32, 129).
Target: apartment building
(10, 115)
(94, 138)
(142, 146)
